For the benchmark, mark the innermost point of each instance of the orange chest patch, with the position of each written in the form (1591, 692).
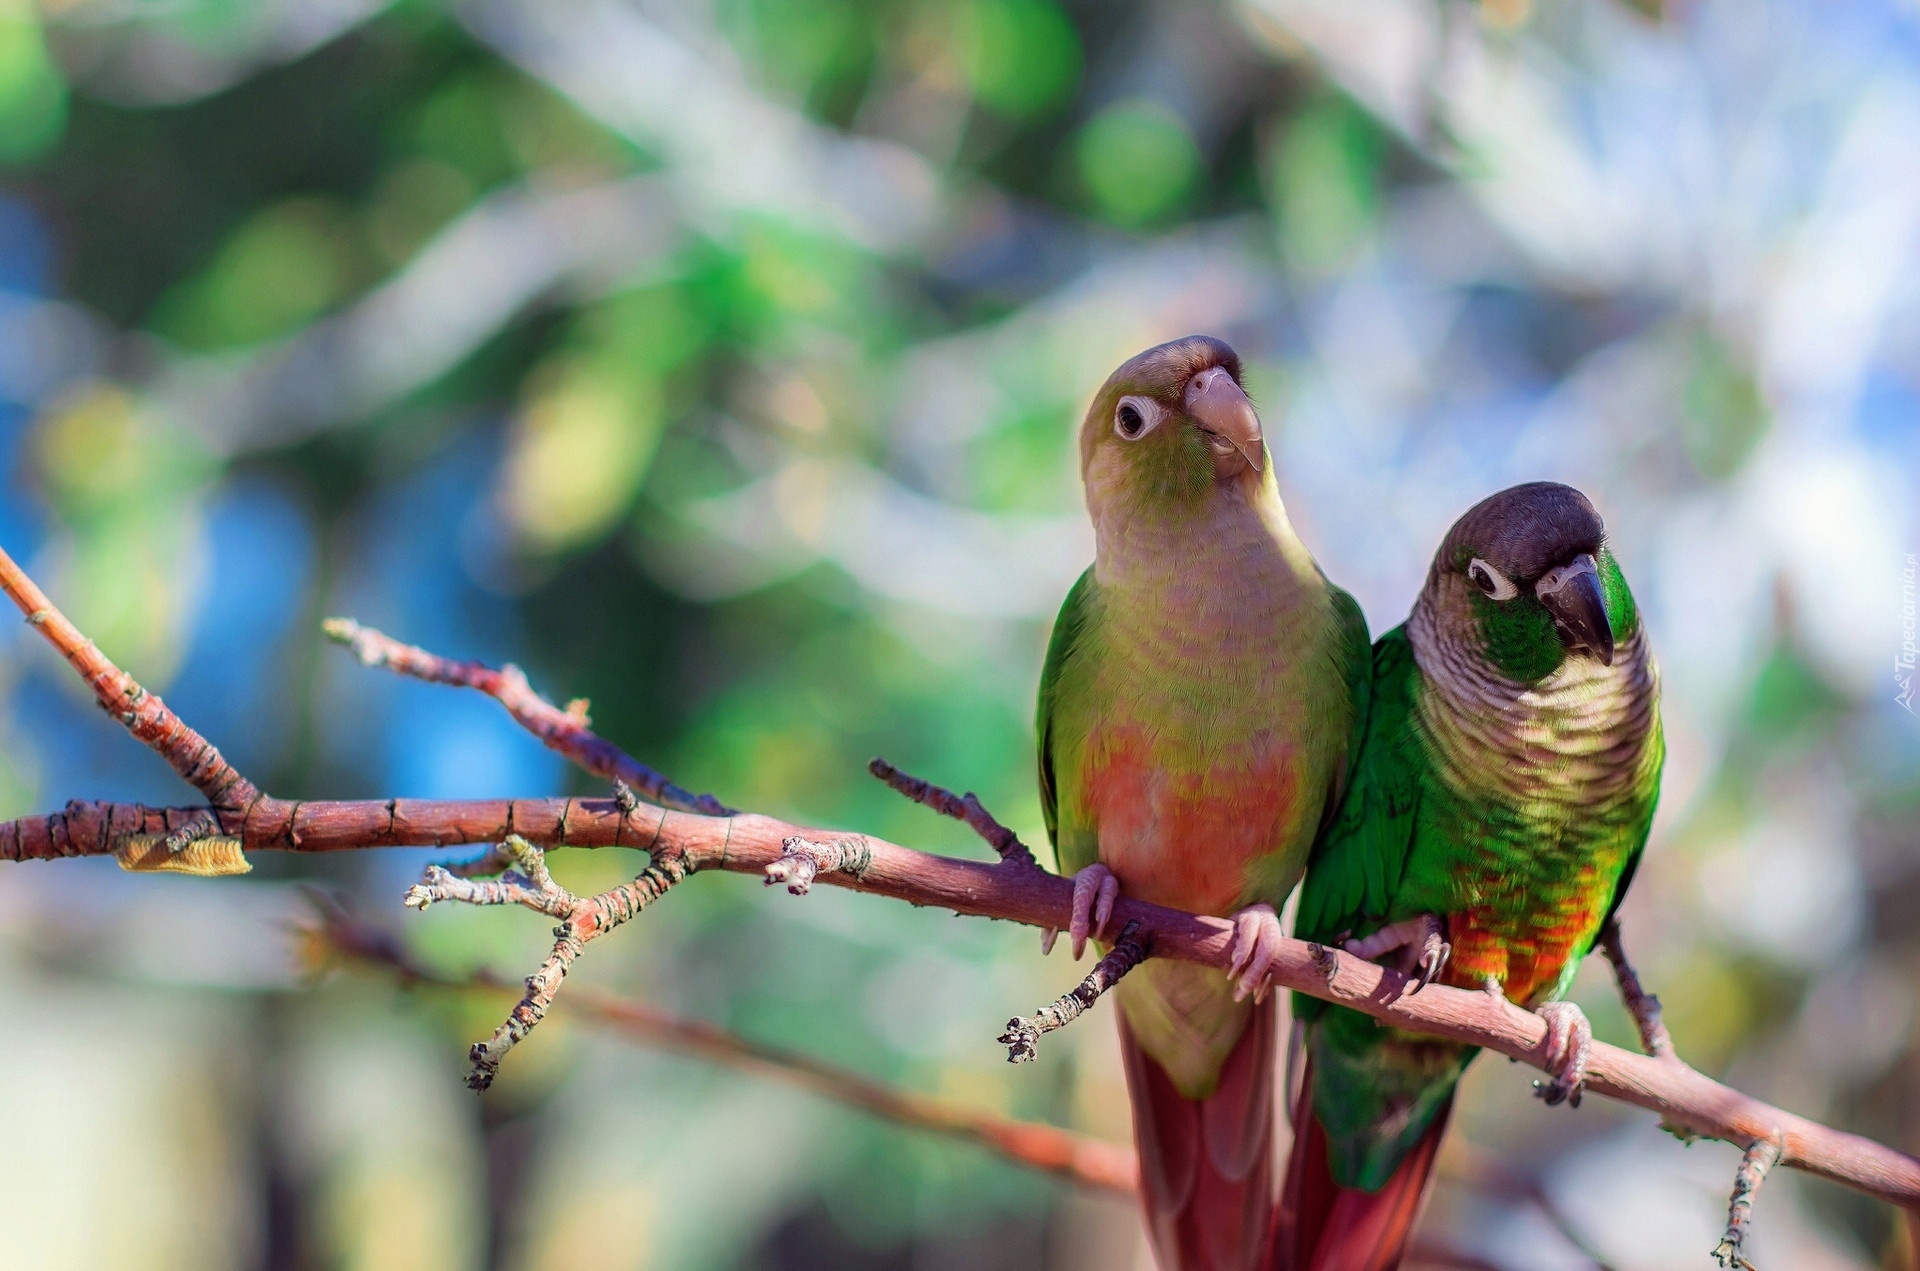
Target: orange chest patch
(1525, 948)
(1189, 838)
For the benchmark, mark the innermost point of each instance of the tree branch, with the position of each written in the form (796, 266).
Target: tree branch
(1643, 1006)
(1759, 1158)
(1011, 889)
(581, 921)
(1022, 1038)
(567, 731)
(144, 715)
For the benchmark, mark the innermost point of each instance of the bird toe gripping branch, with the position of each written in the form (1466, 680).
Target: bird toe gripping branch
(1569, 1042)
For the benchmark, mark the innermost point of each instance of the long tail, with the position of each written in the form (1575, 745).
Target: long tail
(1206, 1166)
(1321, 1226)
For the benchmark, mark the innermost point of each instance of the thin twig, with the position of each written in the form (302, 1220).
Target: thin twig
(582, 920)
(144, 715)
(1086, 1161)
(748, 843)
(961, 807)
(566, 730)
(1642, 1005)
(1761, 1156)
(1022, 1038)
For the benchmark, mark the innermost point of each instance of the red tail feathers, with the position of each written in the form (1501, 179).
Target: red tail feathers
(1321, 1226)
(1206, 1166)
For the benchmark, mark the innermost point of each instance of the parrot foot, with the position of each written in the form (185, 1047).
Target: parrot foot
(1569, 1041)
(1423, 940)
(1256, 935)
(1095, 890)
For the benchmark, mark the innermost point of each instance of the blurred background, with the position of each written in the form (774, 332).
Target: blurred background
(718, 361)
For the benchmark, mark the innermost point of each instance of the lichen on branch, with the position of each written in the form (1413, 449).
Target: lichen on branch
(582, 920)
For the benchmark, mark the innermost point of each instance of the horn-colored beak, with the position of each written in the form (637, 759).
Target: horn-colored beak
(1219, 406)
(1573, 596)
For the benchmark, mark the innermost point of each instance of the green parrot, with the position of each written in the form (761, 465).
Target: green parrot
(1202, 691)
(1504, 787)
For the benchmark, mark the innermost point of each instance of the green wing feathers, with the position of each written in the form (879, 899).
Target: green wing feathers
(1068, 631)
(1353, 664)
(1357, 864)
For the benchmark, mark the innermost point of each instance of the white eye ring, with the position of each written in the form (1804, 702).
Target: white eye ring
(1491, 581)
(1135, 417)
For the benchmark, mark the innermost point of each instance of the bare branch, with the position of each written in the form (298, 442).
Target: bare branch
(1022, 1038)
(566, 731)
(962, 807)
(1078, 1159)
(1762, 1155)
(746, 843)
(1642, 1005)
(581, 921)
(144, 715)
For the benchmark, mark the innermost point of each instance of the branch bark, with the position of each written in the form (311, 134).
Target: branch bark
(1687, 1101)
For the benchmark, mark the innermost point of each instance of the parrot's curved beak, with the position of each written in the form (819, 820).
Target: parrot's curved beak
(1572, 594)
(1221, 409)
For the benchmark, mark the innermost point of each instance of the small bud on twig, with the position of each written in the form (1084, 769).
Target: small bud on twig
(802, 860)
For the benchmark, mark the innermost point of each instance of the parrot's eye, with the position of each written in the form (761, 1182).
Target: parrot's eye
(1135, 417)
(1491, 581)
